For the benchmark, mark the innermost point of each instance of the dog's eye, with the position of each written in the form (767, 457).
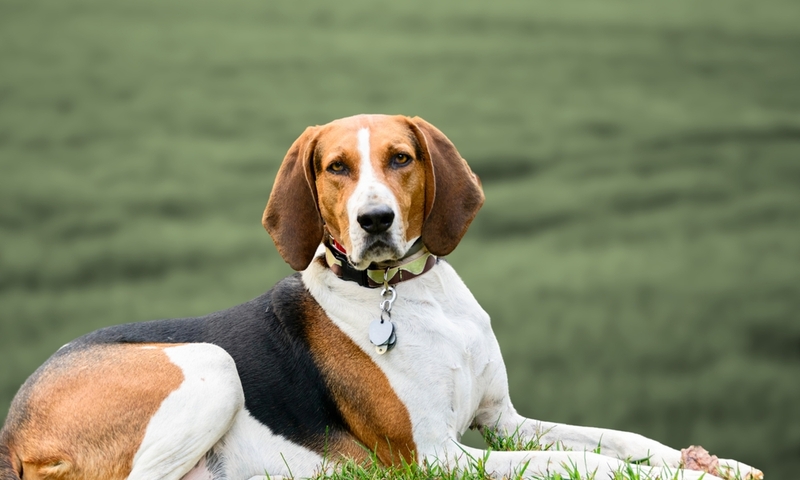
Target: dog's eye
(337, 167)
(401, 159)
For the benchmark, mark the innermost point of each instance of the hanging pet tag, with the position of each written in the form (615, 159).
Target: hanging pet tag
(380, 332)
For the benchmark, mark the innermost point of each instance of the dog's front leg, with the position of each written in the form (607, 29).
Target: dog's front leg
(496, 412)
(538, 464)
(618, 444)
(625, 446)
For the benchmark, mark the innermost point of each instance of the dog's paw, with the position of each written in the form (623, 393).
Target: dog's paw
(731, 469)
(698, 458)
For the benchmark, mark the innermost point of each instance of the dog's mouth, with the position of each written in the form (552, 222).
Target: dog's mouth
(378, 249)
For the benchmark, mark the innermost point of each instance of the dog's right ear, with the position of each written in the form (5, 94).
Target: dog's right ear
(292, 217)
(453, 193)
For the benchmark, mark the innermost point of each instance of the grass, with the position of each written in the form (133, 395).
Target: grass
(639, 250)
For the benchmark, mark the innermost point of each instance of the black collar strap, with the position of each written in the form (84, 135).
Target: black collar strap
(419, 262)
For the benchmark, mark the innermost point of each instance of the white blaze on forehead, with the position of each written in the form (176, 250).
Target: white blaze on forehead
(370, 193)
(365, 169)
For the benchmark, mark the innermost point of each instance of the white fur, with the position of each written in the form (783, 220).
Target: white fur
(447, 369)
(250, 449)
(369, 194)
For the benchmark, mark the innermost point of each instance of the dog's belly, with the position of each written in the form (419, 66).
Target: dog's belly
(251, 449)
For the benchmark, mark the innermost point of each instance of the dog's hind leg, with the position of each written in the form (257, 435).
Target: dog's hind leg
(121, 410)
(193, 417)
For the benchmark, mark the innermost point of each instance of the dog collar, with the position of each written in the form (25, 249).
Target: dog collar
(417, 263)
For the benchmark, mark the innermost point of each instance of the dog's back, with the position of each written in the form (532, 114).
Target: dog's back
(93, 398)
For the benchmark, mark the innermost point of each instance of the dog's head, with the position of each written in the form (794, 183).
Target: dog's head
(377, 183)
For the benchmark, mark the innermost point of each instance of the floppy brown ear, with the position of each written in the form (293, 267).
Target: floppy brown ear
(453, 194)
(292, 217)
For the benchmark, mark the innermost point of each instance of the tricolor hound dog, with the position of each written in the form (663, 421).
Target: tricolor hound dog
(321, 366)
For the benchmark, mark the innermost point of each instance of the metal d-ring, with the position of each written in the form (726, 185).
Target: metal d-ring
(386, 303)
(382, 338)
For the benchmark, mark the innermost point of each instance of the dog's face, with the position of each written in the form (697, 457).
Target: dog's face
(377, 183)
(370, 181)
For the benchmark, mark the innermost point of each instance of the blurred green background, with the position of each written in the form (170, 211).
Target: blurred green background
(639, 250)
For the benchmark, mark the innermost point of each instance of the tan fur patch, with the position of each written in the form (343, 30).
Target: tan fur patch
(407, 183)
(86, 414)
(336, 143)
(457, 190)
(291, 215)
(374, 414)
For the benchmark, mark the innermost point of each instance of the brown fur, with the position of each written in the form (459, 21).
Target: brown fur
(337, 143)
(374, 414)
(407, 183)
(291, 217)
(456, 191)
(101, 399)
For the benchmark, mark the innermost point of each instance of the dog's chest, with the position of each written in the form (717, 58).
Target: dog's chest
(444, 345)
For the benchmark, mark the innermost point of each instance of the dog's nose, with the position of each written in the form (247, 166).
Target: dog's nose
(376, 221)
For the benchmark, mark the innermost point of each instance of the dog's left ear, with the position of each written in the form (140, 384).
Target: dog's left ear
(453, 194)
(292, 217)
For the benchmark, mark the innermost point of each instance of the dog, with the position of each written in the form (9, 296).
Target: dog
(374, 350)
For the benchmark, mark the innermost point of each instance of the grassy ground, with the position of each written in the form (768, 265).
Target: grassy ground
(639, 250)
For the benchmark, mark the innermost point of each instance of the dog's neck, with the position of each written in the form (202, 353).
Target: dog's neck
(417, 261)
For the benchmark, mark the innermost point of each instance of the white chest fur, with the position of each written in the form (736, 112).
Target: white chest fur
(446, 357)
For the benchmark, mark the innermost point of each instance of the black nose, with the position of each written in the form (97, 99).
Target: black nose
(376, 221)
